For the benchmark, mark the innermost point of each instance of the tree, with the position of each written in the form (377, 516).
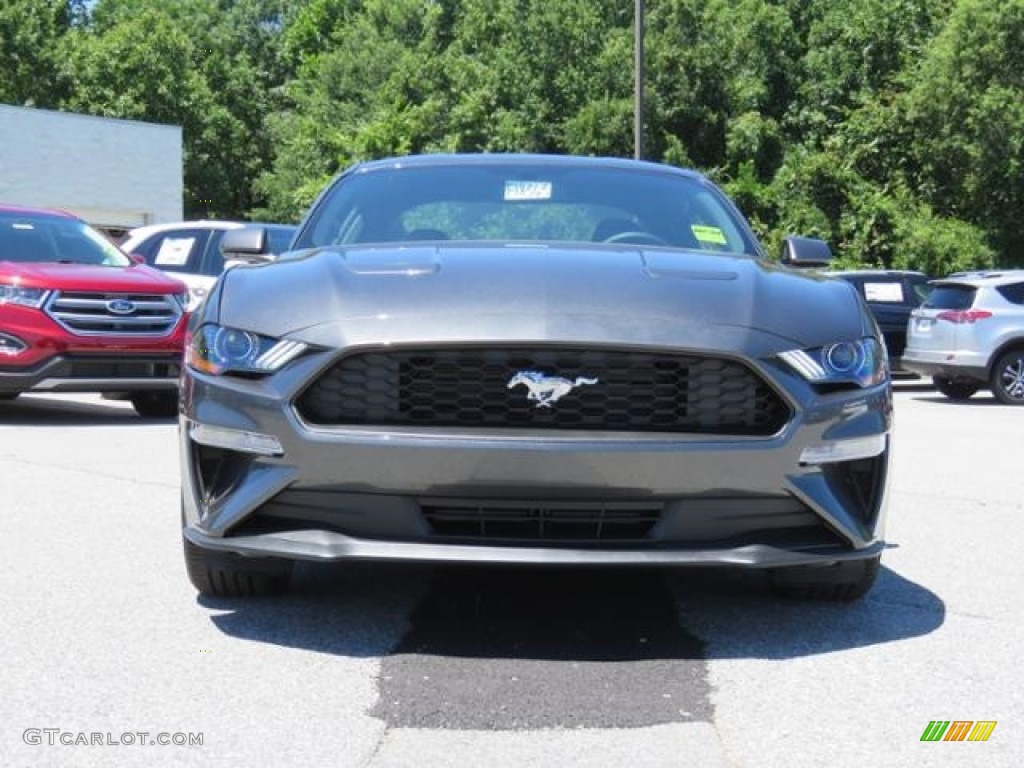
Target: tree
(210, 66)
(965, 109)
(29, 50)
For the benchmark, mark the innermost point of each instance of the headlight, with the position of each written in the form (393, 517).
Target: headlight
(195, 298)
(216, 349)
(845, 362)
(19, 294)
(11, 345)
(181, 299)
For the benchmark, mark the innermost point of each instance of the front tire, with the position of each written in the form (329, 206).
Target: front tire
(1008, 378)
(158, 404)
(844, 581)
(955, 390)
(224, 574)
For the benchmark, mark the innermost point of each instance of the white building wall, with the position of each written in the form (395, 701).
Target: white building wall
(113, 173)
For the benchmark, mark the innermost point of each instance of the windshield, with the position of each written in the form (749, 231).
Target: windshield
(280, 237)
(33, 237)
(531, 202)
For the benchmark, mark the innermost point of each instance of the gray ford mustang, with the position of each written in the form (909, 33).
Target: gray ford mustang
(536, 360)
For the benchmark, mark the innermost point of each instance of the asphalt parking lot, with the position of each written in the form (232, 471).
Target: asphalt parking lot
(379, 666)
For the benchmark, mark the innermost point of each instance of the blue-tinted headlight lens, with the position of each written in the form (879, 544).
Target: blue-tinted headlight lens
(234, 348)
(219, 349)
(861, 362)
(844, 357)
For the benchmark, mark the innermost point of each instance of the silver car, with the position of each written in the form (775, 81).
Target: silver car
(969, 334)
(535, 360)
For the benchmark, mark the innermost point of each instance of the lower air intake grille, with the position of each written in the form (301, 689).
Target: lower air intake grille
(547, 521)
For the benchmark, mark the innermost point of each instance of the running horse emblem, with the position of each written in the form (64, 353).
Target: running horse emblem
(546, 389)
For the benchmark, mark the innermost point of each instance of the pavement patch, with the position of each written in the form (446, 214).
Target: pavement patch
(514, 649)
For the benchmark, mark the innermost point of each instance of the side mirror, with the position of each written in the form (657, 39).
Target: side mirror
(805, 252)
(246, 246)
(137, 258)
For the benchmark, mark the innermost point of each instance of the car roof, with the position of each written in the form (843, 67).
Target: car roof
(876, 273)
(499, 159)
(170, 226)
(983, 277)
(55, 213)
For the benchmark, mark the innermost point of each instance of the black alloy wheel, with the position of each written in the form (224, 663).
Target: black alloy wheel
(1008, 378)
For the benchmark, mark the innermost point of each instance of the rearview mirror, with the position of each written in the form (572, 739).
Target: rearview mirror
(805, 252)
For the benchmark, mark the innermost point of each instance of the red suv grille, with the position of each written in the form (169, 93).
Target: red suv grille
(124, 314)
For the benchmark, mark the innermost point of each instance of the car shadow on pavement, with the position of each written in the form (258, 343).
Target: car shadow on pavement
(982, 399)
(46, 411)
(349, 609)
(740, 616)
(571, 614)
(501, 648)
(497, 648)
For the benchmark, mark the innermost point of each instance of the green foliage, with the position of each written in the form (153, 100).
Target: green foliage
(894, 129)
(210, 66)
(965, 107)
(856, 50)
(30, 35)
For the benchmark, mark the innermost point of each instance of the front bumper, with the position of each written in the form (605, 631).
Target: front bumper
(525, 496)
(48, 358)
(328, 545)
(95, 373)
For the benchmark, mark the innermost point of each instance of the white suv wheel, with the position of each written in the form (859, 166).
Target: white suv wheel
(1008, 378)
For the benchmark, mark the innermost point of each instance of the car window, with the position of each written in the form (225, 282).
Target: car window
(951, 297)
(920, 289)
(178, 251)
(30, 237)
(528, 202)
(213, 260)
(1014, 292)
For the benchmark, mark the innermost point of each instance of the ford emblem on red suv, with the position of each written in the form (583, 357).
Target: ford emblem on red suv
(121, 306)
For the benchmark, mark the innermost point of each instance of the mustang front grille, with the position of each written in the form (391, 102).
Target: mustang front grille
(123, 314)
(545, 388)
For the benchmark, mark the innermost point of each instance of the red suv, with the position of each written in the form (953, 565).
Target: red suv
(78, 315)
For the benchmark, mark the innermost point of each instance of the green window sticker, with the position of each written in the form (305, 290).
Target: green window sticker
(706, 234)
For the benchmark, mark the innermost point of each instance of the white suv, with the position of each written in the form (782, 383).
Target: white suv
(969, 334)
(190, 250)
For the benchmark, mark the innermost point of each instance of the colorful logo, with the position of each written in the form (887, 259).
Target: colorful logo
(958, 730)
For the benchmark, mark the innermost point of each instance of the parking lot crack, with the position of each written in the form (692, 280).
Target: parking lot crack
(378, 745)
(90, 472)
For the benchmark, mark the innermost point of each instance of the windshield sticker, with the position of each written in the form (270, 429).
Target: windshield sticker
(890, 292)
(527, 190)
(706, 234)
(174, 251)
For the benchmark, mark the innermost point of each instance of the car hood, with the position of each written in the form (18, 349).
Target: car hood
(469, 292)
(89, 277)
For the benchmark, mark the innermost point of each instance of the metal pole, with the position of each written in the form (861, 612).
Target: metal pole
(638, 86)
